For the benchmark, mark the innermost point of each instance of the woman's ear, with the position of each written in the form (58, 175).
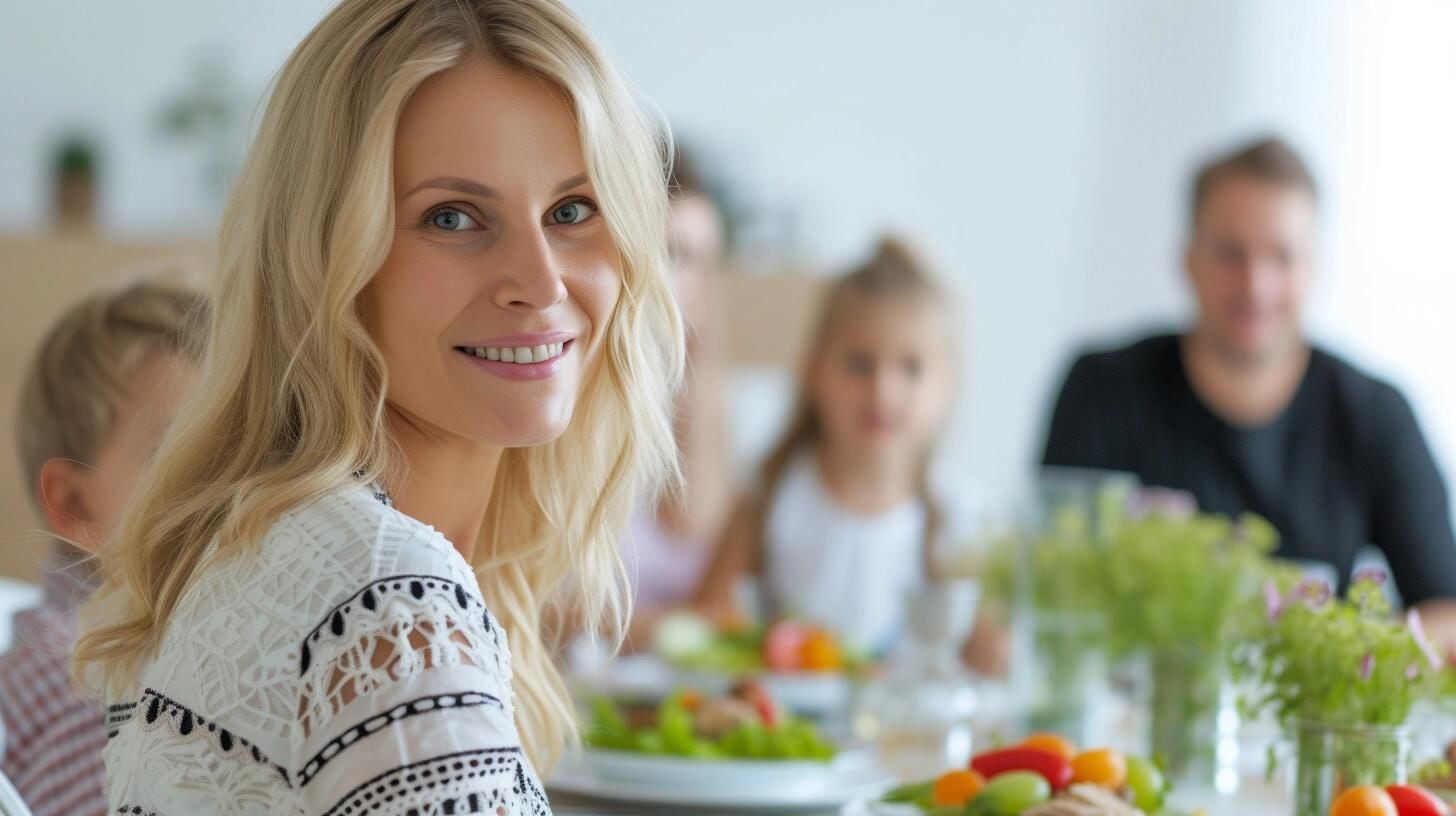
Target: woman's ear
(62, 489)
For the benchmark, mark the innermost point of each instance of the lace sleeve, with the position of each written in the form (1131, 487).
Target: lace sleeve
(406, 707)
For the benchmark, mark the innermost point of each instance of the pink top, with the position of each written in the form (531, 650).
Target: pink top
(664, 568)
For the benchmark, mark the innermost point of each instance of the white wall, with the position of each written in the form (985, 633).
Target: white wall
(1037, 149)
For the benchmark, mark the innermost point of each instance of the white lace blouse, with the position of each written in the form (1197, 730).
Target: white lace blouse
(349, 668)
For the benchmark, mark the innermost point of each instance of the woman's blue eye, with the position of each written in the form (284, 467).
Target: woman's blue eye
(451, 220)
(572, 212)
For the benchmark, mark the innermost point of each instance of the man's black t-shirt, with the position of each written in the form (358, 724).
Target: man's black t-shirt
(1344, 466)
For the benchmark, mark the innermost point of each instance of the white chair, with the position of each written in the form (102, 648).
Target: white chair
(10, 802)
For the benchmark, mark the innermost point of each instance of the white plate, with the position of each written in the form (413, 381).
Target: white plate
(664, 780)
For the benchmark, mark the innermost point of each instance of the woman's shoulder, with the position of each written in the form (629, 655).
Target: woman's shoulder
(356, 535)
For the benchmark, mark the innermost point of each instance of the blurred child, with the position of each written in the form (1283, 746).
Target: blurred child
(93, 407)
(843, 522)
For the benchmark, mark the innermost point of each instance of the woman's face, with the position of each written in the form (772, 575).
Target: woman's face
(502, 277)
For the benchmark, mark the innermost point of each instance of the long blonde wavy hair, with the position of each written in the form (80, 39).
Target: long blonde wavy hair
(290, 401)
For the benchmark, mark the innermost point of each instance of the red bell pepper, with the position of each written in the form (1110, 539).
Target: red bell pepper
(1411, 800)
(1054, 768)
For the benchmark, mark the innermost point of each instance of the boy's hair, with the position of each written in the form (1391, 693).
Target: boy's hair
(79, 377)
(1270, 159)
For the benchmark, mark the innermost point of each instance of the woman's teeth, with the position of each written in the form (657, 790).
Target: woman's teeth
(519, 354)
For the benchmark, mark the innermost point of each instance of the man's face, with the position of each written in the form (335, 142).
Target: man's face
(1250, 262)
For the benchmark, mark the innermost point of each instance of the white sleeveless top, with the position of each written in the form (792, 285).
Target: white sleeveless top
(836, 568)
(349, 668)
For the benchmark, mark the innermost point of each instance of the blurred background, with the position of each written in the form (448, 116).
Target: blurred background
(1037, 151)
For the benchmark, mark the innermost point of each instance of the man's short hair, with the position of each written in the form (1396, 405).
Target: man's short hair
(1269, 159)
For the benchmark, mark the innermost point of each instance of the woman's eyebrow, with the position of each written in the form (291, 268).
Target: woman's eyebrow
(575, 181)
(475, 188)
(455, 184)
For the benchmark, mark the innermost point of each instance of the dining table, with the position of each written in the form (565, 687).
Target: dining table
(1246, 784)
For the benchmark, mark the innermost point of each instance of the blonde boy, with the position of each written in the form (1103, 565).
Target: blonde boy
(95, 402)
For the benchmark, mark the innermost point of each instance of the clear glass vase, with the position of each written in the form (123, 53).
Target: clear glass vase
(1193, 718)
(1329, 759)
(1059, 674)
(919, 713)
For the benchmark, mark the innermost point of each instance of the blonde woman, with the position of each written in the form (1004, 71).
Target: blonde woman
(441, 368)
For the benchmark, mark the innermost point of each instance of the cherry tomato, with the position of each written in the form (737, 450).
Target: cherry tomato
(956, 788)
(820, 653)
(1103, 766)
(1413, 800)
(1364, 800)
(1056, 770)
(783, 645)
(1052, 744)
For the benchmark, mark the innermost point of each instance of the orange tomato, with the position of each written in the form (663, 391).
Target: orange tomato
(1052, 744)
(955, 788)
(820, 653)
(1102, 766)
(1363, 800)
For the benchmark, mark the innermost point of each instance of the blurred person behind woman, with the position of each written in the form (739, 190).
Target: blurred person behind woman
(670, 537)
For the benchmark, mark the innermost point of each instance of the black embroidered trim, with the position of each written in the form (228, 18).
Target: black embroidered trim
(154, 705)
(117, 716)
(423, 705)
(450, 769)
(377, 592)
(380, 494)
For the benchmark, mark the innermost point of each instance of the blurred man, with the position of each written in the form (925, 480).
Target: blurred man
(1244, 413)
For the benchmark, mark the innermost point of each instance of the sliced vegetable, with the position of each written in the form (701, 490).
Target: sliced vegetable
(1413, 800)
(1056, 770)
(1103, 766)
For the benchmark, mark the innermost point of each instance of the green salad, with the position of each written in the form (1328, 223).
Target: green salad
(746, 724)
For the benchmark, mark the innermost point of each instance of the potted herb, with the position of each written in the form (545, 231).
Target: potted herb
(1179, 591)
(74, 173)
(1341, 677)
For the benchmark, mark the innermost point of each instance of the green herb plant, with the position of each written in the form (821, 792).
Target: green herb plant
(1341, 677)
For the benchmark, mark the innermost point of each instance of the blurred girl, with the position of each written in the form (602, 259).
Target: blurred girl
(843, 521)
(441, 368)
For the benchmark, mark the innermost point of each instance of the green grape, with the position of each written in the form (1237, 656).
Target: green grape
(1146, 783)
(1010, 793)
